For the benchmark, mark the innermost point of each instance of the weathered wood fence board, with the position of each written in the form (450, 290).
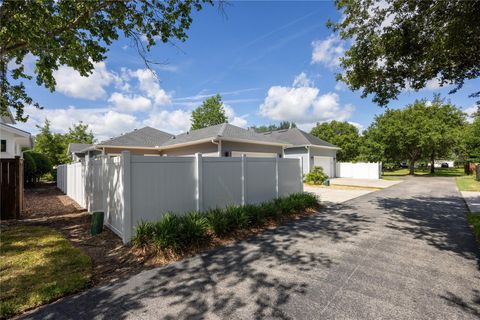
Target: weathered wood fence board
(11, 180)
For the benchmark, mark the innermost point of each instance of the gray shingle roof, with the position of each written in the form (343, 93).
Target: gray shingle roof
(77, 147)
(298, 137)
(225, 131)
(144, 137)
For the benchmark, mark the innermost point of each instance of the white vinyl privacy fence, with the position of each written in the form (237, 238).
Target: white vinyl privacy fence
(131, 189)
(359, 170)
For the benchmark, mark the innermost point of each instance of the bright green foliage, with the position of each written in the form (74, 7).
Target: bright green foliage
(472, 138)
(210, 113)
(42, 165)
(400, 44)
(179, 233)
(29, 168)
(193, 229)
(342, 134)
(413, 132)
(167, 233)
(273, 127)
(316, 176)
(79, 133)
(54, 145)
(78, 34)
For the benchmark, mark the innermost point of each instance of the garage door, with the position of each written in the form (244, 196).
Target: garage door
(326, 163)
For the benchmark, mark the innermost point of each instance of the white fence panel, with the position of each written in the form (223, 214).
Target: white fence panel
(261, 180)
(94, 185)
(160, 185)
(359, 170)
(131, 189)
(289, 176)
(113, 188)
(221, 182)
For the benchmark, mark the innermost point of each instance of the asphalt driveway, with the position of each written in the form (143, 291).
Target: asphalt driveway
(404, 252)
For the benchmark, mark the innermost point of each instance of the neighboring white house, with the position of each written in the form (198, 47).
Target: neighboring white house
(13, 140)
(314, 151)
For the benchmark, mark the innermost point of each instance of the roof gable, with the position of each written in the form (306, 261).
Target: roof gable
(144, 137)
(224, 131)
(298, 137)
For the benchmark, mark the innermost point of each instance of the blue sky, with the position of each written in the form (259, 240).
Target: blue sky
(271, 61)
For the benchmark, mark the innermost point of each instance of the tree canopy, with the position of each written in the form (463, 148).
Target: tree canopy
(77, 34)
(54, 145)
(273, 127)
(398, 45)
(422, 130)
(340, 133)
(210, 113)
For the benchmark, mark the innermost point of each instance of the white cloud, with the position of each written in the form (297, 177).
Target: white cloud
(470, 111)
(303, 105)
(328, 52)
(302, 80)
(359, 126)
(72, 84)
(103, 122)
(174, 122)
(238, 121)
(150, 85)
(130, 103)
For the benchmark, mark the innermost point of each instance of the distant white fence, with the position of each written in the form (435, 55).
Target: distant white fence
(359, 170)
(131, 189)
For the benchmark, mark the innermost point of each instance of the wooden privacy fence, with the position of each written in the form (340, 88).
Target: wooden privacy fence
(11, 179)
(131, 189)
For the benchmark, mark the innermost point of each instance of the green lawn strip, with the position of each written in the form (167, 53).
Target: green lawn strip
(467, 183)
(439, 172)
(38, 265)
(392, 178)
(474, 220)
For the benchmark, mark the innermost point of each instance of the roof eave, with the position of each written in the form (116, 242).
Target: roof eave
(316, 146)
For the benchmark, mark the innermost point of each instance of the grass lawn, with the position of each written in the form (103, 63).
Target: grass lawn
(439, 172)
(38, 265)
(474, 220)
(468, 183)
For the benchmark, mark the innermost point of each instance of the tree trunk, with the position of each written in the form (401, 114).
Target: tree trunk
(412, 167)
(432, 162)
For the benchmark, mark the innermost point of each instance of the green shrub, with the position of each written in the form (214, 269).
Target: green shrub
(237, 217)
(42, 164)
(181, 232)
(316, 176)
(255, 215)
(29, 168)
(144, 234)
(167, 232)
(217, 221)
(193, 229)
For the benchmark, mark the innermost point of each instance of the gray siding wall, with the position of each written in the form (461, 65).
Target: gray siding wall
(207, 149)
(250, 147)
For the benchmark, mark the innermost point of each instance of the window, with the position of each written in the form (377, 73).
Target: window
(4, 146)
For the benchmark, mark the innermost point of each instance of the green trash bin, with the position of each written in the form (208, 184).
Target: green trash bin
(97, 223)
(326, 182)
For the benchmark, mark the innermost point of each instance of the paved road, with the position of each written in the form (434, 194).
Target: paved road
(400, 253)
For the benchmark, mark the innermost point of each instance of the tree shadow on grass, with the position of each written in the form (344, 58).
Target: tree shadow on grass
(254, 278)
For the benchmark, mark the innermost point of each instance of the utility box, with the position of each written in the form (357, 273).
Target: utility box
(97, 223)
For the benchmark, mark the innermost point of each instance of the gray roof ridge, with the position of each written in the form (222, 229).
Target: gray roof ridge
(222, 129)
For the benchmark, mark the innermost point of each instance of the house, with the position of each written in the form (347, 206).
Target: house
(314, 151)
(77, 151)
(223, 140)
(13, 140)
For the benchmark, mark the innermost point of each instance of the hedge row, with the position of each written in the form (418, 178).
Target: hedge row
(178, 233)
